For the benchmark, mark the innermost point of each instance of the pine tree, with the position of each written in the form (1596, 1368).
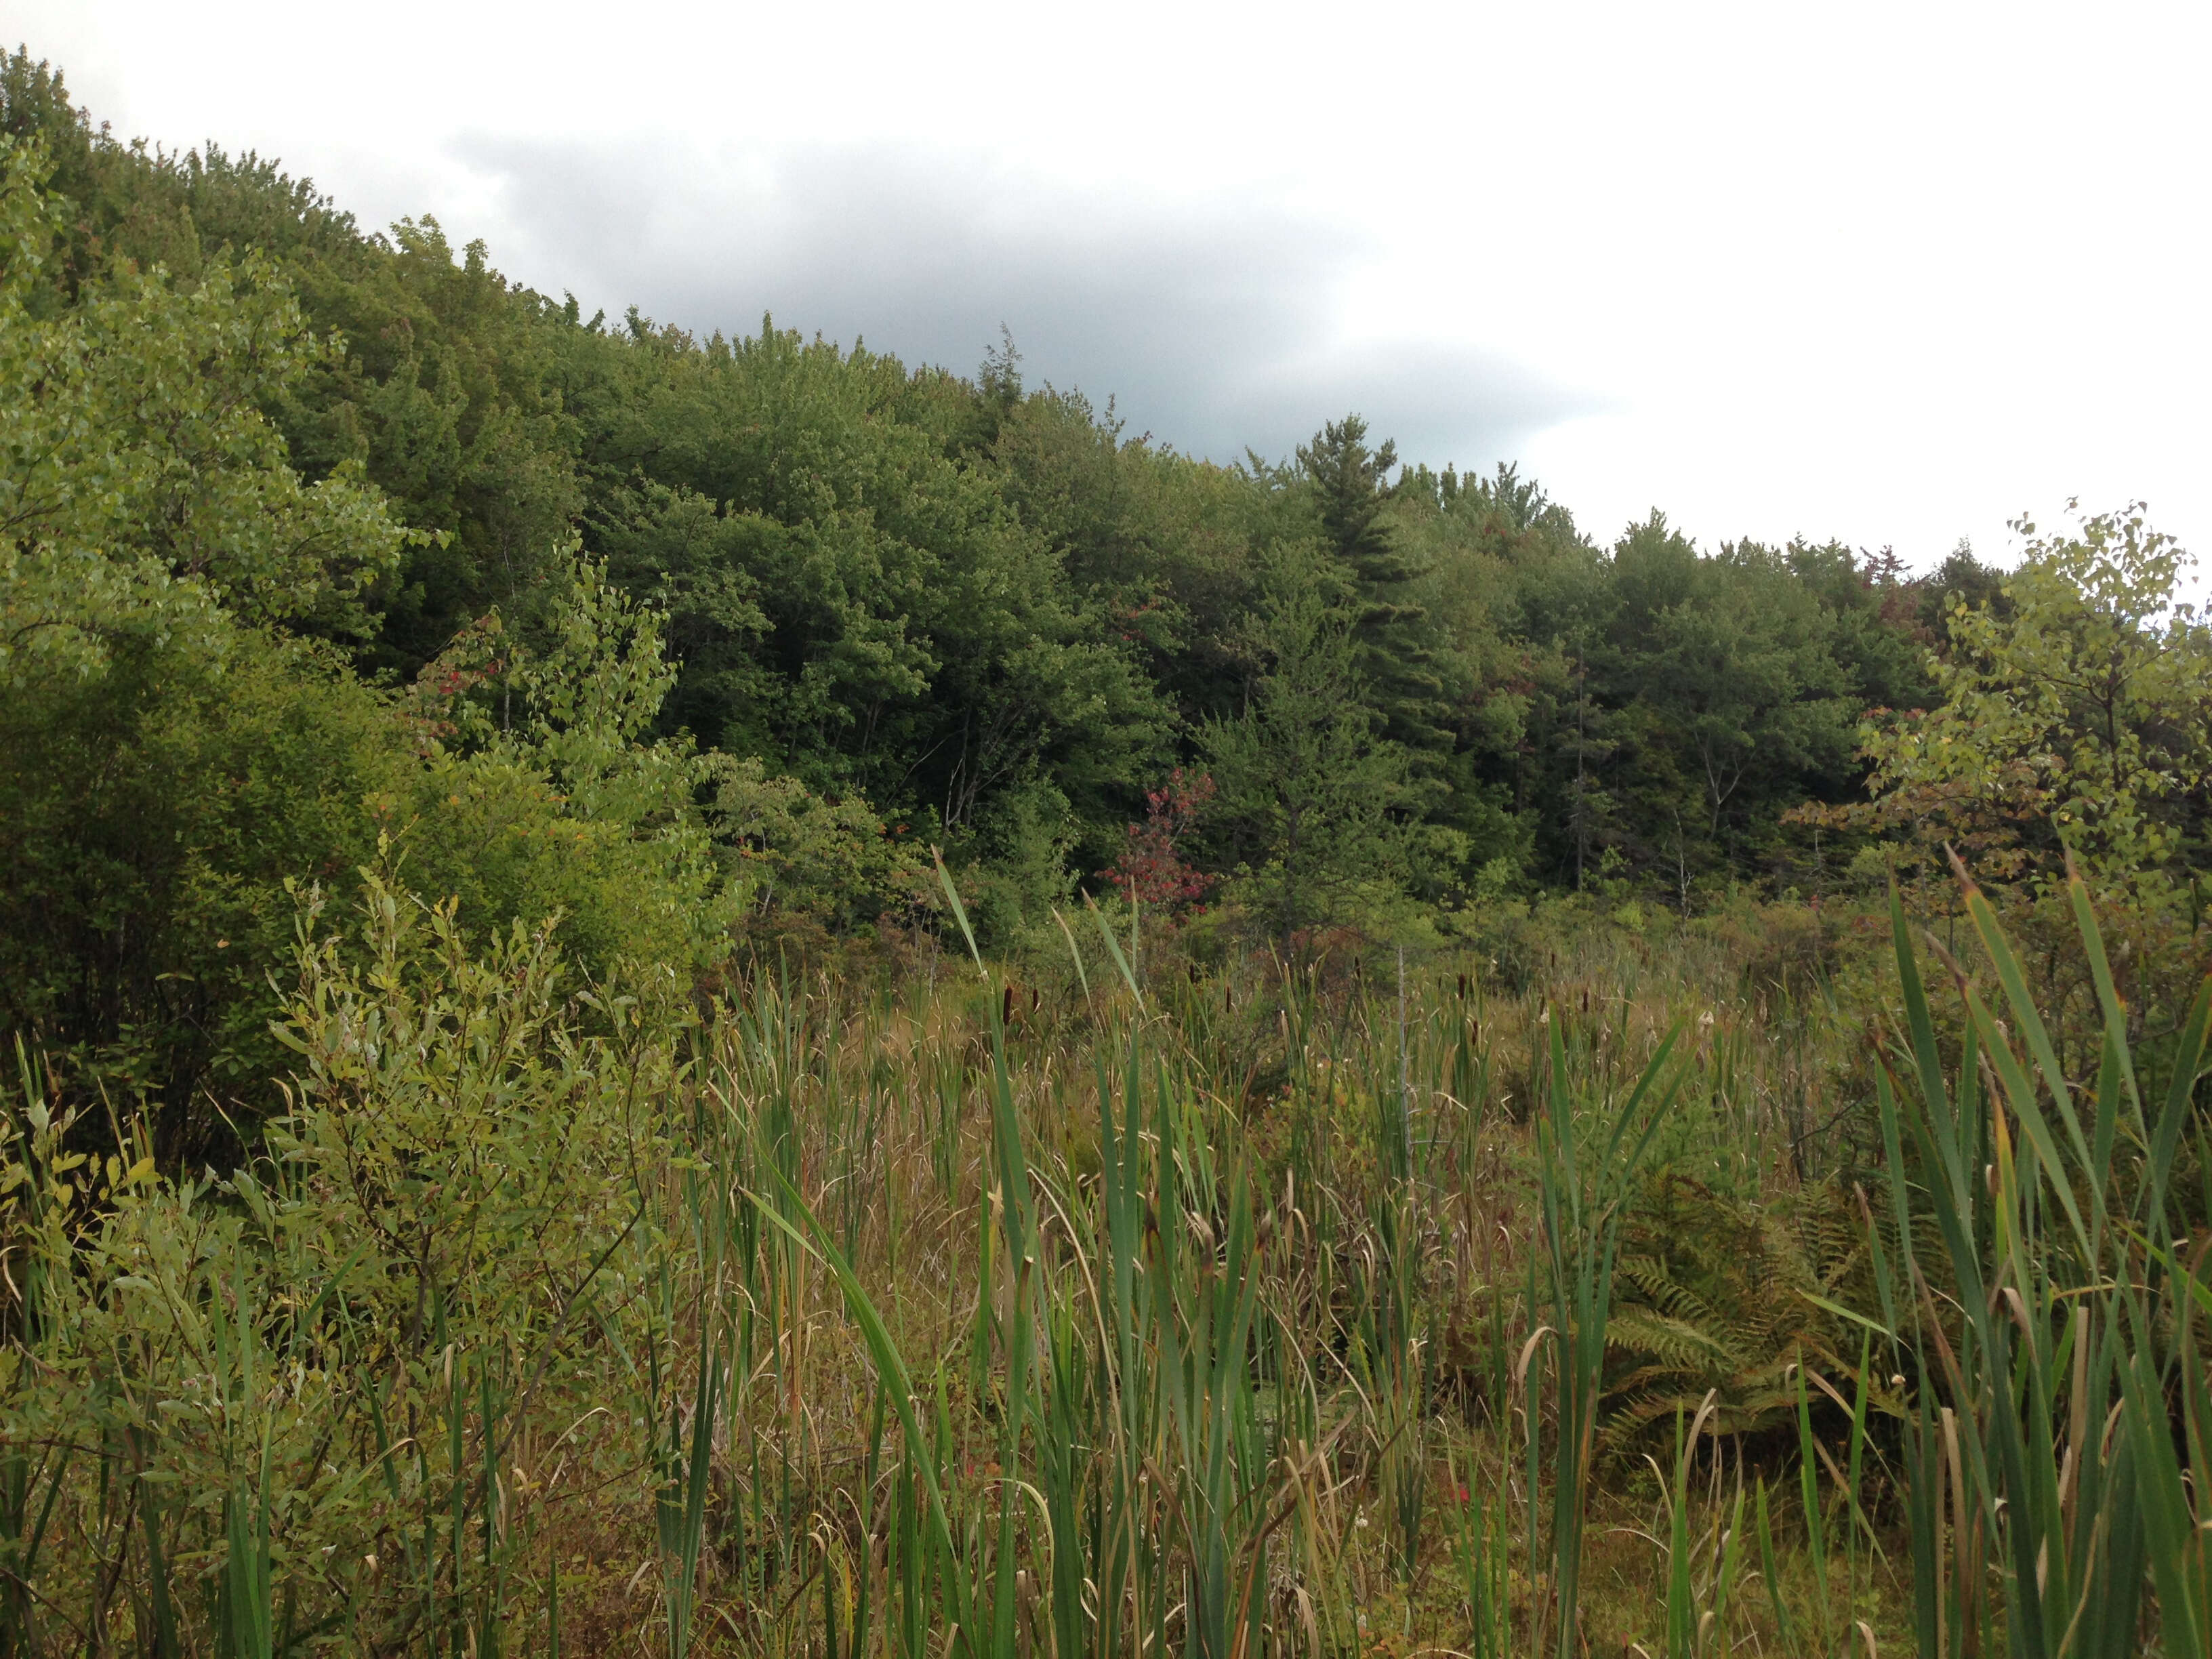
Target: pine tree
(1392, 631)
(1309, 789)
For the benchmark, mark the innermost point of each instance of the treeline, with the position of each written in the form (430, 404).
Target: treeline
(330, 549)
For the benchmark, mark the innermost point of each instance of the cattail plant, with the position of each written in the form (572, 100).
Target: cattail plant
(2060, 1450)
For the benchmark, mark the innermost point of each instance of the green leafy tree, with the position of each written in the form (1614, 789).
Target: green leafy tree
(863, 612)
(1695, 698)
(1740, 680)
(433, 379)
(2076, 714)
(179, 743)
(1159, 547)
(1516, 594)
(172, 756)
(543, 791)
(140, 483)
(809, 868)
(450, 397)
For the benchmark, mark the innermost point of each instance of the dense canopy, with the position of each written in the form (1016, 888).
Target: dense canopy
(328, 546)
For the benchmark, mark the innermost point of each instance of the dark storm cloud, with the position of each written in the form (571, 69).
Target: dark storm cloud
(1213, 326)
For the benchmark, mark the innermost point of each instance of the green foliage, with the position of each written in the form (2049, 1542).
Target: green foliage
(177, 756)
(2057, 1459)
(885, 596)
(446, 1109)
(142, 919)
(372, 627)
(805, 862)
(856, 608)
(1723, 1304)
(2074, 715)
(173, 760)
(308, 1378)
(1742, 683)
(449, 396)
(141, 487)
(1308, 785)
(1396, 645)
(537, 792)
(983, 607)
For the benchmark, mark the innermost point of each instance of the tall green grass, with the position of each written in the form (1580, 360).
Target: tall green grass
(2056, 1454)
(1133, 1314)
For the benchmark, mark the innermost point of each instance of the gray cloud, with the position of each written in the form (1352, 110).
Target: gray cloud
(1214, 327)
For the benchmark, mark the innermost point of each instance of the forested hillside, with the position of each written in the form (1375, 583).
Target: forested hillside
(723, 995)
(900, 608)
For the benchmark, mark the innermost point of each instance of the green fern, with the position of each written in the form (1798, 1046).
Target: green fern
(1717, 1293)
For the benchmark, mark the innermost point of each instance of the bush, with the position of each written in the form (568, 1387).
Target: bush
(316, 1372)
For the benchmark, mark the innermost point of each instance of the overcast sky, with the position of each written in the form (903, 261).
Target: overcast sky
(1891, 274)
